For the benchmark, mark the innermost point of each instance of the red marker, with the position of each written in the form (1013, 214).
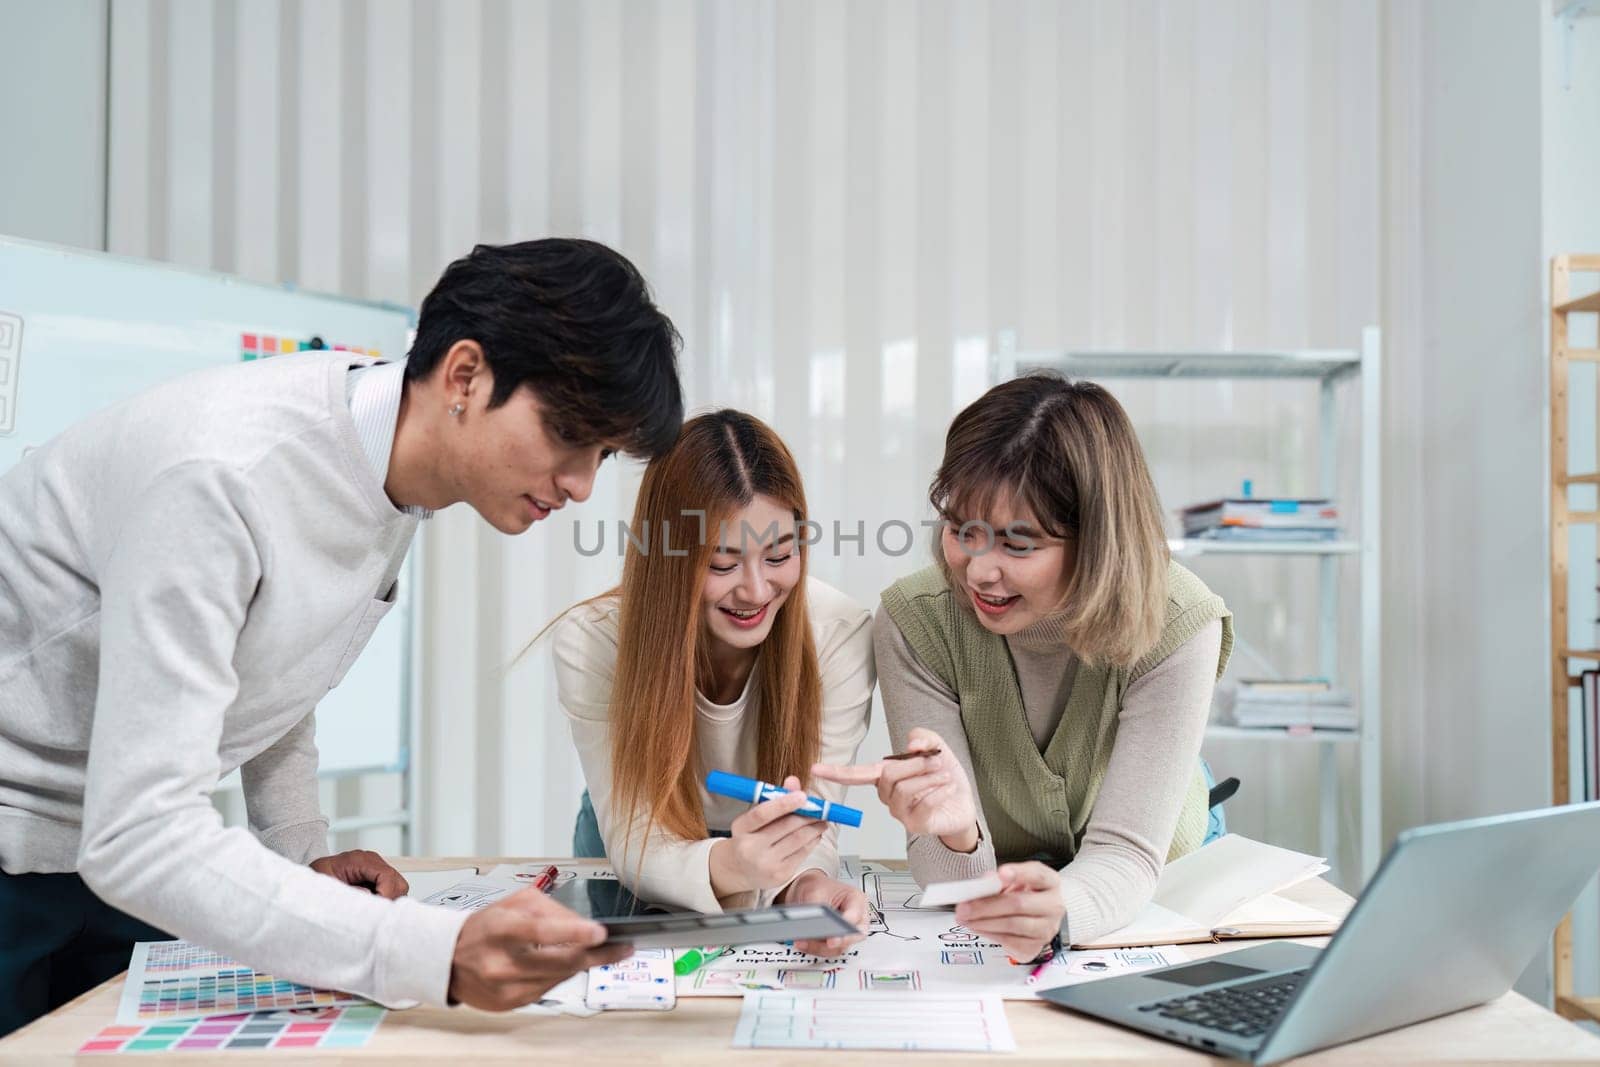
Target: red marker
(547, 879)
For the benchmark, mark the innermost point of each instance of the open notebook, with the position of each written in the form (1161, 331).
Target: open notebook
(1228, 889)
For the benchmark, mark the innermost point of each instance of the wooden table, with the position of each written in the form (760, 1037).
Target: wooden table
(699, 1031)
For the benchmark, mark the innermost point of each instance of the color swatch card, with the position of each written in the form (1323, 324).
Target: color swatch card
(299, 1028)
(901, 1021)
(172, 980)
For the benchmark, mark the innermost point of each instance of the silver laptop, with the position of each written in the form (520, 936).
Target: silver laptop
(1455, 913)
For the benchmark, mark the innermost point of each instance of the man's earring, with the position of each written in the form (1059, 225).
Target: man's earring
(457, 410)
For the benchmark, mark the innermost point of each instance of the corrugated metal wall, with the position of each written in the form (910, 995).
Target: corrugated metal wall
(846, 207)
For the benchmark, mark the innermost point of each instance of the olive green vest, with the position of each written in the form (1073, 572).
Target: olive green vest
(1039, 803)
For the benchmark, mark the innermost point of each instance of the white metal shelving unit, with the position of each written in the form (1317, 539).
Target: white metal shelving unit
(1335, 371)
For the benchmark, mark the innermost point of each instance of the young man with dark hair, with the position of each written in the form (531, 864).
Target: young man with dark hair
(183, 575)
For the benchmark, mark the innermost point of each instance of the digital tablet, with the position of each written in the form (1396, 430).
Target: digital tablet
(785, 922)
(602, 899)
(629, 920)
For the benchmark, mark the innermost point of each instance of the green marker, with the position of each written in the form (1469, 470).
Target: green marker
(691, 960)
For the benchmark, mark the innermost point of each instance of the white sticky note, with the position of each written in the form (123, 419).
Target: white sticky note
(944, 894)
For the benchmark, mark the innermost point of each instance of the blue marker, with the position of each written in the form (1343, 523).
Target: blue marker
(739, 787)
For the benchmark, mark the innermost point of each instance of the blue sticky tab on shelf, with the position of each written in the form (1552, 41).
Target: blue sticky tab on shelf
(1285, 507)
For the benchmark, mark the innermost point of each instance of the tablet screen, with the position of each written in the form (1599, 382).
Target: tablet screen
(637, 922)
(603, 898)
(799, 922)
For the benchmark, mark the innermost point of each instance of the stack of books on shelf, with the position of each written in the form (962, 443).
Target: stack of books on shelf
(1308, 703)
(1257, 519)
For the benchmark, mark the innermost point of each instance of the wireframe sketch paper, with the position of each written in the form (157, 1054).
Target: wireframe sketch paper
(472, 894)
(423, 884)
(525, 873)
(1227, 889)
(909, 947)
(874, 1021)
(464, 889)
(642, 982)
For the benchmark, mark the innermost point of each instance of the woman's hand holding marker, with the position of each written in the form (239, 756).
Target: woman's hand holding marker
(754, 791)
(924, 788)
(768, 846)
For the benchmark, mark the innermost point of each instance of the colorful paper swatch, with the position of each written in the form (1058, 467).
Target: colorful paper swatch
(172, 980)
(254, 346)
(169, 957)
(341, 1028)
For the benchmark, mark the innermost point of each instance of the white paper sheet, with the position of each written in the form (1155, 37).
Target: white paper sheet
(568, 998)
(909, 947)
(528, 872)
(1211, 882)
(904, 1021)
(473, 893)
(1206, 889)
(426, 883)
(642, 982)
(946, 894)
(1273, 910)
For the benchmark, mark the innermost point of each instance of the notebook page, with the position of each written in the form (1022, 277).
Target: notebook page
(1273, 911)
(1211, 882)
(1154, 925)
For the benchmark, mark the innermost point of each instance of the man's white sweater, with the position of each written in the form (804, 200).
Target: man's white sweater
(182, 577)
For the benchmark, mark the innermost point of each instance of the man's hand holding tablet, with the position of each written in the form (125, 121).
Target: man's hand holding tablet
(786, 922)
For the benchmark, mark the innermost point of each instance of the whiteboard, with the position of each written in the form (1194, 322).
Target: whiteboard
(81, 330)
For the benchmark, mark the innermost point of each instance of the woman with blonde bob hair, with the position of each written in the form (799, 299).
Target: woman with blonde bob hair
(717, 652)
(1055, 667)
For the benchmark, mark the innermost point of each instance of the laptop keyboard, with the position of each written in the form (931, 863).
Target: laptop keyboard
(1245, 1010)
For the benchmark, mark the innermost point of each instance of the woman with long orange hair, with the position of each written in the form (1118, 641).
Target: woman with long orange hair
(716, 652)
